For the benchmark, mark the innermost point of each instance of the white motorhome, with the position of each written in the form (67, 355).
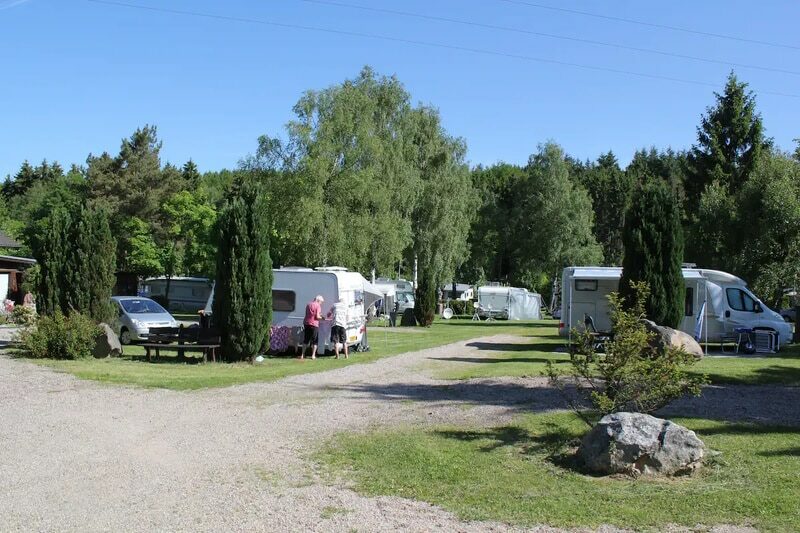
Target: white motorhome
(729, 304)
(510, 303)
(400, 291)
(186, 294)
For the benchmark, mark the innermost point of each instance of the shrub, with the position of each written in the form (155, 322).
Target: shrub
(460, 307)
(60, 337)
(633, 374)
(23, 315)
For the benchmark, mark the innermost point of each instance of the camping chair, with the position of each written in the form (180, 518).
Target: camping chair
(489, 316)
(599, 338)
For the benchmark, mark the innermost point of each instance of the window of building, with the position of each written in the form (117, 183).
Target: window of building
(585, 284)
(688, 304)
(738, 300)
(283, 300)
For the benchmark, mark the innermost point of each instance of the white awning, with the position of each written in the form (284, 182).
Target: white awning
(371, 294)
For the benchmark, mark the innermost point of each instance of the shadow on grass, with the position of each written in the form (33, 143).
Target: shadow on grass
(769, 375)
(513, 347)
(557, 443)
(789, 452)
(501, 359)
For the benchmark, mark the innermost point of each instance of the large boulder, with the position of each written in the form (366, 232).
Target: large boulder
(107, 343)
(640, 444)
(667, 337)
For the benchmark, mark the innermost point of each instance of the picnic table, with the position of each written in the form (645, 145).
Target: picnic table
(182, 340)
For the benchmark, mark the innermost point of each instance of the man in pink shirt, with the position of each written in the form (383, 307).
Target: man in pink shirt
(311, 326)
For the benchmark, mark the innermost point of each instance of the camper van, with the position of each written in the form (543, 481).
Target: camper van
(185, 294)
(294, 287)
(510, 303)
(398, 291)
(727, 301)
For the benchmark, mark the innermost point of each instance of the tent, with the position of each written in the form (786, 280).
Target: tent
(524, 305)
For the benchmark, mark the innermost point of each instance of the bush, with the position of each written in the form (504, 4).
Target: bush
(633, 374)
(460, 307)
(23, 316)
(60, 337)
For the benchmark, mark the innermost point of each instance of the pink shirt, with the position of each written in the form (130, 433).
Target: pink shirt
(313, 312)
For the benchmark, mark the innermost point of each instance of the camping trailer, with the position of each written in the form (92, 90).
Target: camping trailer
(722, 300)
(185, 293)
(510, 303)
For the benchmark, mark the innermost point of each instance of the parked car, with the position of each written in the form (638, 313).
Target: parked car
(136, 315)
(789, 314)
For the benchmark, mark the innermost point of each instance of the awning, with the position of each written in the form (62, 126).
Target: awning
(371, 294)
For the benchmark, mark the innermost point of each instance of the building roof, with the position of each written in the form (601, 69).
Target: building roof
(20, 260)
(8, 242)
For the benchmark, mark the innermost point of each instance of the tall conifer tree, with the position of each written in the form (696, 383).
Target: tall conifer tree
(653, 252)
(243, 294)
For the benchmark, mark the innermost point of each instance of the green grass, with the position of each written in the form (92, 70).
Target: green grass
(131, 370)
(518, 474)
(530, 359)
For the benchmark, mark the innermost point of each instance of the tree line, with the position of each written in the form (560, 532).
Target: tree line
(362, 178)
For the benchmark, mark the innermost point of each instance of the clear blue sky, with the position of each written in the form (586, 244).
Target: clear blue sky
(78, 76)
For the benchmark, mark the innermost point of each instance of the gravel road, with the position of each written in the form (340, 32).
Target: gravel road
(81, 456)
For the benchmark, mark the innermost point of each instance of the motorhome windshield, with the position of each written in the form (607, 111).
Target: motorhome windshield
(405, 297)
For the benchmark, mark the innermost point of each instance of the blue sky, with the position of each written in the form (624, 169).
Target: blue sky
(78, 76)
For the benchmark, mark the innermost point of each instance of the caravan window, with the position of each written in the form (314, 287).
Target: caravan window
(738, 300)
(585, 284)
(688, 305)
(283, 300)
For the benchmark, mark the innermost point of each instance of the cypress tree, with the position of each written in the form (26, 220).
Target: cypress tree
(100, 276)
(51, 254)
(243, 294)
(425, 300)
(78, 263)
(653, 252)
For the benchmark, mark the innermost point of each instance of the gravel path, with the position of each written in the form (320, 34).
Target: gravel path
(77, 455)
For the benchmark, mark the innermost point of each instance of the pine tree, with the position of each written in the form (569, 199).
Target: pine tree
(243, 294)
(653, 252)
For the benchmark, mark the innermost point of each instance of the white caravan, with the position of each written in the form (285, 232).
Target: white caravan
(185, 293)
(293, 288)
(729, 304)
(510, 303)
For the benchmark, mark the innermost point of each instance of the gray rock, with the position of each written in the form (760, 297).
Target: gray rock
(668, 337)
(640, 444)
(107, 343)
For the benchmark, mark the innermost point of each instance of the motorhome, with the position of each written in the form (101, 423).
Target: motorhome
(403, 293)
(724, 301)
(294, 287)
(512, 303)
(186, 294)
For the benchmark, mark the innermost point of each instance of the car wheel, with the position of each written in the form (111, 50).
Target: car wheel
(124, 336)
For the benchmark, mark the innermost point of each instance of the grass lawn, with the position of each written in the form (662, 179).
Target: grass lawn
(530, 360)
(131, 370)
(514, 474)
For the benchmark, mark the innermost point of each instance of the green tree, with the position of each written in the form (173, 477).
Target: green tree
(610, 189)
(653, 244)
(102, 266)
(443, 212)
(347, 172)
(190, 173)
(51, 254)
(139, 249)
(553, 220)
(28, 176)
(189, 221)
(730, 139)
(243, 294)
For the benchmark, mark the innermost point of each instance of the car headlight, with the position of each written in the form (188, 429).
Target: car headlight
(137, 323)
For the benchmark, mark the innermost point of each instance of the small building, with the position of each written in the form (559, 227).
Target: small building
(11, 270)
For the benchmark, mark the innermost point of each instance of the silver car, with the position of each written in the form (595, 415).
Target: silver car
(137, 315)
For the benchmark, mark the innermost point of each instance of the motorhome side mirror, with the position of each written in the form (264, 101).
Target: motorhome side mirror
(727, 314)
(759, 309)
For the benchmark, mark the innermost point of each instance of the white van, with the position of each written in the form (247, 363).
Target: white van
(510, 303)
(186, 294)
(402, 293)
(729, 304)
(294, 287)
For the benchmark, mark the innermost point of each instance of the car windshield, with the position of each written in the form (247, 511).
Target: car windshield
(141, 306)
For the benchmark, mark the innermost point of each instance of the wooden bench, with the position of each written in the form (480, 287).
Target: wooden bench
(181, 340)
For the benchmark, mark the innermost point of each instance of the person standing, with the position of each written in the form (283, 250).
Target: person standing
(339, 330)
(311, 325)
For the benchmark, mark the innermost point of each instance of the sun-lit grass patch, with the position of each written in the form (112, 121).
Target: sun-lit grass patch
(519, 474)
